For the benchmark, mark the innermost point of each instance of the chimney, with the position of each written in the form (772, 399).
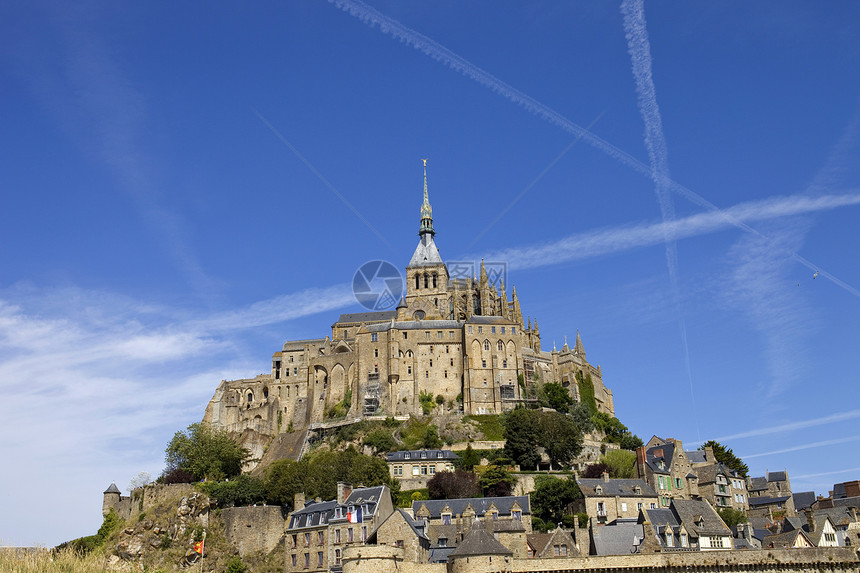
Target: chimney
(299, 502)
(852, 488)
(605, 476)
(343, 491)
(810, 520)
(640, 462)
(709, 455)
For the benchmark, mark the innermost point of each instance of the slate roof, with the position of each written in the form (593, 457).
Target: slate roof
(321, 513)
(776, 476)
(416, 455)
(765, 500)
(839, 516)
(618, 539)
(664, 452)
(414, 325)
(847, 502)
(476, 319)
(785, 539)
(479, 504)
(426, 253)
(300, 344)
(480, 542)
(112, 489)
(440, 554)
(803, 499)
(613, 487)
(696, 456)
(689, 510)
(757, 484)
(368, 316)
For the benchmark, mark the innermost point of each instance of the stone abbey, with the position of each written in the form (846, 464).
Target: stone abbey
(459, 339)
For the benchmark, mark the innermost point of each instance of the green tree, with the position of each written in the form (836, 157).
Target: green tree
(558, 397)
(615, 431)
(552, 496)
(727, 456)
(244, 490)
(522, 436)
(470, 458)
(497, 481)
(732, 516)
(380, 440)
(560, 438)
(581, 415)
(621, 463)
(205, 452)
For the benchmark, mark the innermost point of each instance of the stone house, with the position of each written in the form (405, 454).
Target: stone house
(722, 486)
(400, 530)
(793, 539)
(765, 490)
(319, 531)
(608, 499)
(414, 468)
(687, 525)
(818, 527)
(449, 521)
(664, 466)
(554, 544)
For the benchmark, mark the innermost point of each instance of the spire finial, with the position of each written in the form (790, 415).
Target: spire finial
(426, 209)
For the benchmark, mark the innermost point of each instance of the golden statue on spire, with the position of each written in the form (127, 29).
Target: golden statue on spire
(425, 162)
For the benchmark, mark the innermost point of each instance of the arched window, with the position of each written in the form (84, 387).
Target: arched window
(486, 345)
(250, 397)
(426, 280)
(434, 280)
(265, 392)
(500, 346)
(417, 281)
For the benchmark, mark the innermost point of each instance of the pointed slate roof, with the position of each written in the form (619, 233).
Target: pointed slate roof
(112, 489)
(480, 542)
(426, 253)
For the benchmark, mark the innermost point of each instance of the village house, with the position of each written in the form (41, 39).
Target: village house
(688, 525)
(318, 531)
(608, 499)
(414, 468)
(664, 465)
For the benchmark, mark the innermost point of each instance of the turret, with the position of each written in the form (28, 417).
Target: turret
(578, 348)
(111, 498)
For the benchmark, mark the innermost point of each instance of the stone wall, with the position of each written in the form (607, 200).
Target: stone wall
(146, 498)
(385, 559)
(254, 529)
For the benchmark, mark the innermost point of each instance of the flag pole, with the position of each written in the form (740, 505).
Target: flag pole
(202, 549)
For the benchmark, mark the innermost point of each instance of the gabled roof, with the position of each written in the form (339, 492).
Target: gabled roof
(416, 527)
(757, 484)
(766, 500)
(699, 517)
(696, 456)
(785, 539)
(803, 500)
(417, 455)
(618, 539)
(613, 487)
(479, 504)
(480, 542)
(655, 454)
(542, 543)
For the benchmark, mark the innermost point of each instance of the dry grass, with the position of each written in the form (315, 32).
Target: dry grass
(45, 561)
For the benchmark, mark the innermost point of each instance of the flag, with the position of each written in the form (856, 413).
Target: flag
(198, 547)
(354, 515)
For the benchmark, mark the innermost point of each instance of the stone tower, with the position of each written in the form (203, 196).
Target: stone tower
(426, 274)
(111, 498)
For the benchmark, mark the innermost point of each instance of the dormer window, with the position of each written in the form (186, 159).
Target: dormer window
(423, 455)
(637, 490)
(598, 490)
(406, 456)
(439, 455)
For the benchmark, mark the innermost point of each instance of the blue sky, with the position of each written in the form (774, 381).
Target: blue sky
(187, 186)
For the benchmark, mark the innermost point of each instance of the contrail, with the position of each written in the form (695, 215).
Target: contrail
(433, 49)
(320, 177)
(804, 447)
(639, 49)
(610, 240)
(822, 421)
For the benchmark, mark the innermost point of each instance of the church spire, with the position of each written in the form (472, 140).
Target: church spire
(426, 209)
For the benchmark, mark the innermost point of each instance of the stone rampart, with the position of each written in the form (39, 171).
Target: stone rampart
(254, 529)
(387, 559)
(145, 498)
